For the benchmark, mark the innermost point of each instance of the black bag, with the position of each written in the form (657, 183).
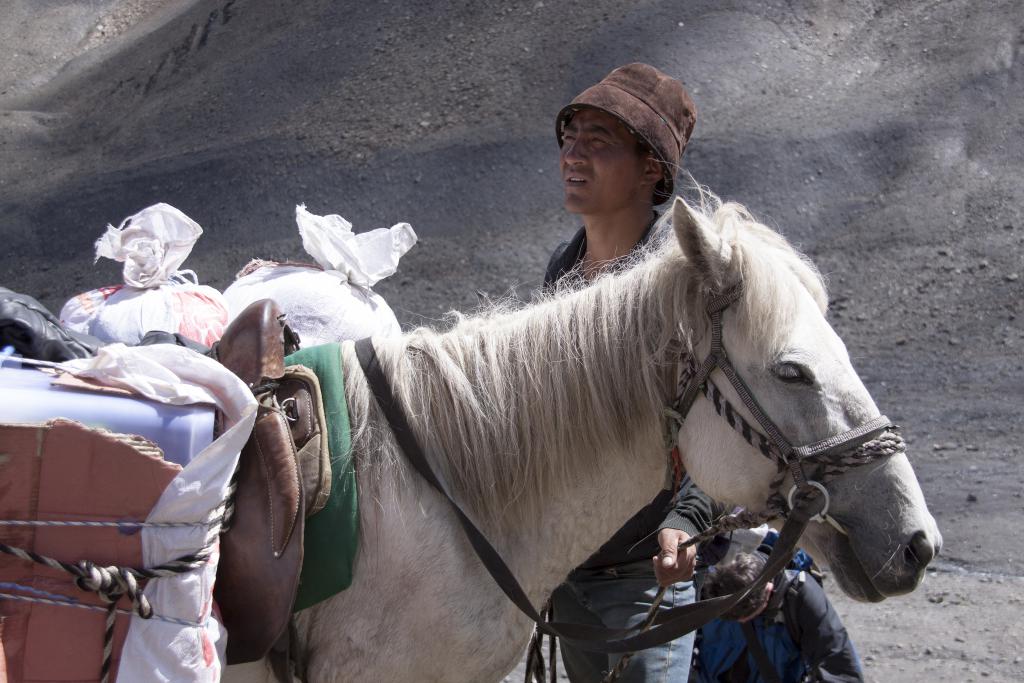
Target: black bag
(36, 333)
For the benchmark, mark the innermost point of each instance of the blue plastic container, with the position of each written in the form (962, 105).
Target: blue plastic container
(27, 396)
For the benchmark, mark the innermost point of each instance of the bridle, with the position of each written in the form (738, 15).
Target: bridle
(832, 456)
(865, 443)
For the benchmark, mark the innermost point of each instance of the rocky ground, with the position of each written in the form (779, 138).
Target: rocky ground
(882, 137)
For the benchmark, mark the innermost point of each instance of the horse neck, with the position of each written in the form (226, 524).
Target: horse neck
(545, 424)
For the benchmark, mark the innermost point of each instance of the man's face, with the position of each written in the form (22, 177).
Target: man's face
(602, 168)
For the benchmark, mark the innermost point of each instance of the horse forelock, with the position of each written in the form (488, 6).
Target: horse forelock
(770, 270)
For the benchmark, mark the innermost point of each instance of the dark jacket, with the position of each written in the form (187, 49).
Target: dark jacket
(692, 513)
(799, 631)
(36, 333)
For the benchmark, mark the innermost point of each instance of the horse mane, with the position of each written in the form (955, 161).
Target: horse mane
(511, 402)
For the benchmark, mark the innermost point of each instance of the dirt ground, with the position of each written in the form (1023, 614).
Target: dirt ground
(957, 626)
(882, 137)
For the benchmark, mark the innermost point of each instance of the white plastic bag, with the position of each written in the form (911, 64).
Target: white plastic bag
(155, 295)
(332, 302)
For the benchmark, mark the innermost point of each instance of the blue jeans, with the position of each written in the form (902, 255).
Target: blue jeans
(619, 597)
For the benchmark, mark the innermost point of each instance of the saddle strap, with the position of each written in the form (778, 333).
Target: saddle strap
(300, 398)
(669, 624)
(284, 477)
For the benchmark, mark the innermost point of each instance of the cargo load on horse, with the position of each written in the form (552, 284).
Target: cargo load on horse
(110, 547)
(137, 466)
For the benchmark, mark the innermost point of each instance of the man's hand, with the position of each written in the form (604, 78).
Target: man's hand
(671, 564)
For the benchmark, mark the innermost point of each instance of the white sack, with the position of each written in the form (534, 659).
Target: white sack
(184, 641)
(155, 295)
(335, 303)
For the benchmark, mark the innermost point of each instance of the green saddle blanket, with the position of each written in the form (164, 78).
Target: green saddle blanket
(332, 535)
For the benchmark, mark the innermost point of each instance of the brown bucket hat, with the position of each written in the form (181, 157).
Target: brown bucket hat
(654, 107)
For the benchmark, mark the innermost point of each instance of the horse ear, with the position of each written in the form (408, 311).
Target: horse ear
(702, 245)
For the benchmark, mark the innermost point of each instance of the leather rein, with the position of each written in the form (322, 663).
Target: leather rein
(808, 499)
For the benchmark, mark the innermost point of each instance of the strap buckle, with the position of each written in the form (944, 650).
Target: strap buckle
(822, 515)
(290, 408)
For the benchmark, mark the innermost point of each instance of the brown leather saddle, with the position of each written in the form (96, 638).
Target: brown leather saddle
(283, 477)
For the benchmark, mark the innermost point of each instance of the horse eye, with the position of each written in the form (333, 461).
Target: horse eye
(791, 373)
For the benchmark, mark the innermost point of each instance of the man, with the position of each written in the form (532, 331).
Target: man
(785, 633)
(621, 141)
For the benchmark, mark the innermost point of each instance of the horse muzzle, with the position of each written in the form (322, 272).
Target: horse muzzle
(869, 571)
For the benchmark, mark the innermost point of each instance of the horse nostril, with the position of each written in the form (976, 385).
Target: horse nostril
(920, 550)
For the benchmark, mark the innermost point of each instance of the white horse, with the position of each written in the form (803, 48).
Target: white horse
(546, 424)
